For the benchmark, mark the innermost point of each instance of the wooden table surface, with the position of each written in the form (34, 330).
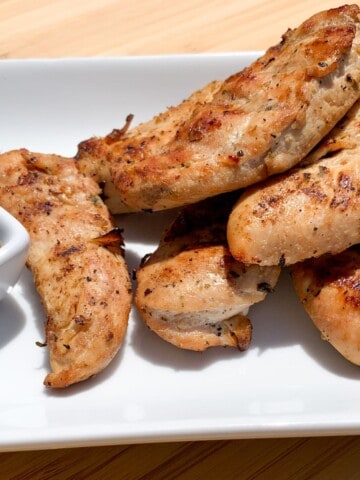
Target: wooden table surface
(68, 28)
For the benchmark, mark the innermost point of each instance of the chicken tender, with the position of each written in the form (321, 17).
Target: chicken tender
(191, 292)
(258, 122)
(329, 288)
(99, 158)
(76, 258)
(306, 212)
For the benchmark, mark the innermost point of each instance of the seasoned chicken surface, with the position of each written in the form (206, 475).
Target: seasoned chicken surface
(191, 292)
(329, 288)
(307, 211)
(100, 159)
(76, 258)
(258, 122)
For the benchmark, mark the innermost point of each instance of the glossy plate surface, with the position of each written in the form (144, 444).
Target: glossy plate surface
(288, 383)
(14, 244)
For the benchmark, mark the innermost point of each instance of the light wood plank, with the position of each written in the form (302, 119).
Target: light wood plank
(63, 28)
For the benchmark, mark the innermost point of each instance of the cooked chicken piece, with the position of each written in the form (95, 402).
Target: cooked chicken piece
(76, 259)
(329, 288)
(100, 159)
(306, 212)
(191, 292)
(256, 123)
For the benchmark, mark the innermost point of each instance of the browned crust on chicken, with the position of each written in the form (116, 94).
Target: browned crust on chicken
(307, 211)
(256, 123)
(191, 292)
(329, 289)
(76, 258)
(100, 158)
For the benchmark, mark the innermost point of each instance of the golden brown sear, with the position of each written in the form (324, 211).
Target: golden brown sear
(76, 258)
(258, 122)
(307, 211)
(191, 292)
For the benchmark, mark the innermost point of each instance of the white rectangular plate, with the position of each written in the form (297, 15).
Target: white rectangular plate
(288, 383)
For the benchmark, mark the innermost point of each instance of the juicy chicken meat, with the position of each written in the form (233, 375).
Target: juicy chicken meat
(307, 211)
(76, 258)
(258, 122)
(191, 292)
(329, 288)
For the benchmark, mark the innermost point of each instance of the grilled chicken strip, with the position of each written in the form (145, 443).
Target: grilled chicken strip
(256, 123)
(104, 159)
(306, 212)
(329, 288)
(76, 258)
(191, 292)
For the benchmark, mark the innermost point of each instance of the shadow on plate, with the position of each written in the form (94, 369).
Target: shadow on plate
(281, 321)
(150, 346)
(145, 227)
(28, 291)
(12, 320)
(278, 322)
(133, 260)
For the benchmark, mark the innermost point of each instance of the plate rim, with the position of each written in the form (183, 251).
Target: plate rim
(61, 438)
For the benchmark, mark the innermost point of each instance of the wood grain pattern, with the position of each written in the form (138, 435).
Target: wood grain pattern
(282, 459)
(66, 28)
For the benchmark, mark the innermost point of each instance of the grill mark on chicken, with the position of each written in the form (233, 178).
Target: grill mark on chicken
(258, 122)
(76, 257)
